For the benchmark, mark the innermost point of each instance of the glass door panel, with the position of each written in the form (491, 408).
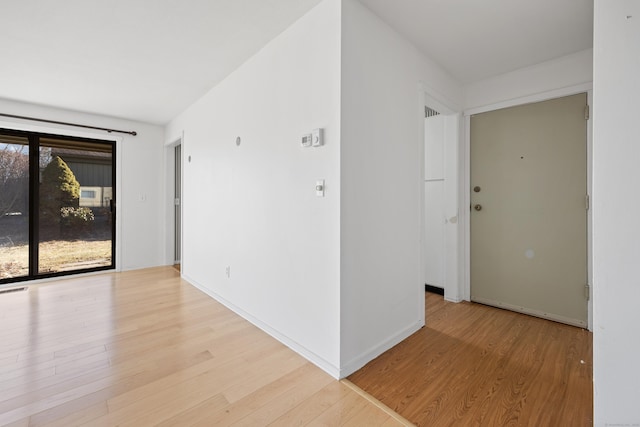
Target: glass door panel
(75, 230)
(14, 206)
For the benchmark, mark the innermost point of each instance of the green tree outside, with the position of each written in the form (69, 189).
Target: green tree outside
(59, 189)
(60, 200)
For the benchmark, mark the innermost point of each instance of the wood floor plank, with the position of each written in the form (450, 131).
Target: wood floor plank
(121, 369)
(62, 391)
(367, 417)
(342, 411)
(478, 365)
(147, 348)
(306, 376)
(311, 408)
(198, 413)
(19, 423)
(78, 417)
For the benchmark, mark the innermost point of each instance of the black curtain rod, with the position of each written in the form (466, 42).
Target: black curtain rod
(133, 132)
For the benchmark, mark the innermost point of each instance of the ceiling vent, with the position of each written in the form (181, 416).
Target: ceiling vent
(430, 112)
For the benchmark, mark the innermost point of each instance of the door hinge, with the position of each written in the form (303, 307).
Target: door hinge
(587, 291)
(587, 202)
(586, 112)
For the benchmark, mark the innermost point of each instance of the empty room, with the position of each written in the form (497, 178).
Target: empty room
(319, 212)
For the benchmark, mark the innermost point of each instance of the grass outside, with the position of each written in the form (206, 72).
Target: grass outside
(55, 256)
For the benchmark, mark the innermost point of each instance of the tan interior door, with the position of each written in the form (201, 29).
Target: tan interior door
(528, 216)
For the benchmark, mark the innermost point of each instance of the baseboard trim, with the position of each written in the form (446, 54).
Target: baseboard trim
(358, 362)
(531, 312)
(312, 357)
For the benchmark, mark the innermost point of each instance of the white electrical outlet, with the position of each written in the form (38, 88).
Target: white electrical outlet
(228, 272)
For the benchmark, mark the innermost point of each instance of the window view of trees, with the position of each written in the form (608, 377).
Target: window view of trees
(14, 178)
(14, 207)
(60, 211)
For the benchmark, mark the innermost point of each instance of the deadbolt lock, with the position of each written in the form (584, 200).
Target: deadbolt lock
(478, 207)
(476, 189)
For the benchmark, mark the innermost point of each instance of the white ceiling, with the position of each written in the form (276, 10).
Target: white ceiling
(476, 39)
(148, 60)
(145, 60)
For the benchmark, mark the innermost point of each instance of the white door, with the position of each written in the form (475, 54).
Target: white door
(434, 180)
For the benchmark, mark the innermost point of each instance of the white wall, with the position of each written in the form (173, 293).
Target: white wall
(382, 288)
(337, 278)
(140, 222)
(616, 234)
(570, 70)
(253, 207)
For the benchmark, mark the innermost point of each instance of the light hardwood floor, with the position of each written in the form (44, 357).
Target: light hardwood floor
(474, 365)
(146, 348)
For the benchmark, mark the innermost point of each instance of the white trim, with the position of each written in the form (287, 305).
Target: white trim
(422, 99)
(183, 156)
(437, 100)
(590, 211)
(169, 182)
(452, 290)
(466, 180)
(99, 135)
(464, 211)
(323, 364)
(530, 99)
(358, 362)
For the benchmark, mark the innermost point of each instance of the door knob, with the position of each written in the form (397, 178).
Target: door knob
(478, 207)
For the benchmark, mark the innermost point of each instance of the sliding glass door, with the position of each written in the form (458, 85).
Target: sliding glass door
(66, 221)
(14, 206)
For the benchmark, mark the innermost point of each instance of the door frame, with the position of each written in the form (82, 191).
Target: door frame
(465, 178)
(170, 197)
(428, 96)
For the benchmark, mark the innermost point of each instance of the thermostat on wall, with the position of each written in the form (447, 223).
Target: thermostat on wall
(306, 140)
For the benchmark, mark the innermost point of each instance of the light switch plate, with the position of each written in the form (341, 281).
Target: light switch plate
(320, 188)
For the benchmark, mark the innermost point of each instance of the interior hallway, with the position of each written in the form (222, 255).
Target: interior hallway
(478, 365)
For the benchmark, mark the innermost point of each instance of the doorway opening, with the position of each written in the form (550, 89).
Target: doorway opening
(440, 199)
(173, 199)
(177, 203)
